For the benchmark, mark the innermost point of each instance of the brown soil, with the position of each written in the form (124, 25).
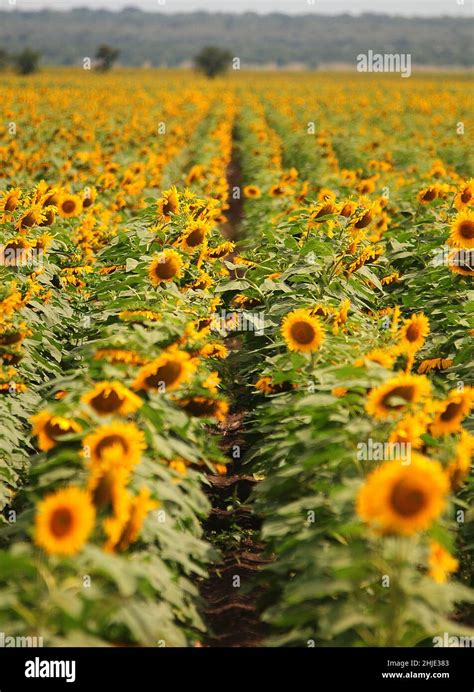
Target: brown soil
(230, 596)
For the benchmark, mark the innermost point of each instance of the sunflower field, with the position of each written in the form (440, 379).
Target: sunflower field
(236, 350)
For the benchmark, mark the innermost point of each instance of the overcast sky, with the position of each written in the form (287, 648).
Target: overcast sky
(462, 8)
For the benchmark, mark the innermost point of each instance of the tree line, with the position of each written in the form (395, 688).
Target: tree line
(66, 37)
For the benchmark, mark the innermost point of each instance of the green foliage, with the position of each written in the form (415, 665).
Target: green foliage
(106, 56)
(212, 60)
(27, 62)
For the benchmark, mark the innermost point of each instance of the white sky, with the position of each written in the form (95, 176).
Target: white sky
(459, 8)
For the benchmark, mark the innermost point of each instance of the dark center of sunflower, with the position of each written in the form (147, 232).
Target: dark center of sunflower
(68, 206)
(15, 245)
(10, 204)
(203, 324)
(204, 407)
(107, 402)
(364, 220)
(429, 195)
(48, 220)
(166, 374)
(29, 220)
(413, 332)
(407, 499)
(466, 229)
(9, 339)
(405, 392)
(102, 495)
(61, 522)
(302, 332)
(169, 207)
(451, 411)
(325, 209)
(51, 200)
(195, 237)
(54, 430)
(466, 196)
(166, 269)
(110, 441)
(86, 202)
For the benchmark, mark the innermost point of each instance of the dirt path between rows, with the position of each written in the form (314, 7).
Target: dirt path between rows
(230, 596)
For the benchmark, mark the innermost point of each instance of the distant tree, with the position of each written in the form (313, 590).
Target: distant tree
(4, 59)
(212, 60)
(106, 56)
(27, 61)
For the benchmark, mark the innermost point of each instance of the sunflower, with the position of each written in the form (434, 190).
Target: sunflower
(129, 530)
(369, 254)
(49, 216)
(165, 267)
(205, 407)
(64, 521)
(458, 469)
(363, 218)
(119, 356)
(464, 196)
(434, 364)
(366, 186)
(212, 382)
(88, 197)
(195, 173)
(203, 282)
(168, 204)
(252, 192)
(9, 200)
(50, 198)
(50, 428)
(440, 563)
(165, 373)
(413, 333)
(107, 485)
(214, 350)
(451, 411)
(302, 331)
(33, 216)
(139, 315)
(403, 499)
(428, 194)
(321, 209)
(278, 190)
(382, 357)
(194, 236)
(69, 206)
(409, 430)
(15, 252)
(220, 251)
(394, 395)
(117, 444)
(347, 208)
(109, 398)
(462, 231)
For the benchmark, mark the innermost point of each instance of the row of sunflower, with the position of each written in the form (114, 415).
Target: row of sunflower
(361, 380)
(109, 377)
